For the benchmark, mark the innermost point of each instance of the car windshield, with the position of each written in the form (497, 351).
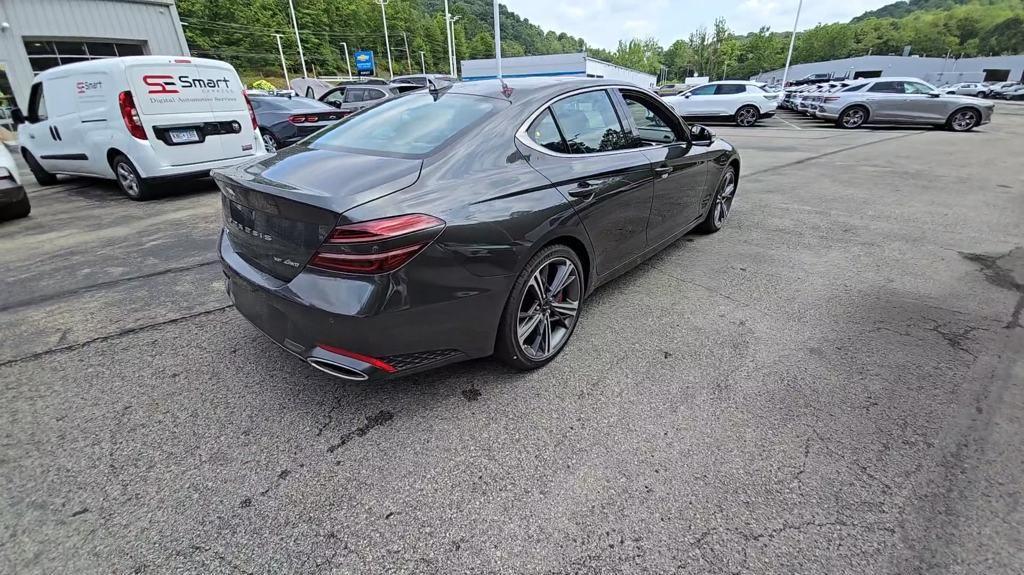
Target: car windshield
(412, 126)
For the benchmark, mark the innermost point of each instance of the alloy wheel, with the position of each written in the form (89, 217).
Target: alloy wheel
(964, 120)
(269, 143)
(723, 203)
(128, 180)
(548, 309)
(746, 117)
(853, 118)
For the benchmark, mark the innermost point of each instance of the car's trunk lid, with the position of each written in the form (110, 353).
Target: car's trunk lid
(278, 211)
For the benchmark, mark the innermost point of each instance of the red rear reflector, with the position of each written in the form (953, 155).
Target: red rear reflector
(130, 114)
(381, 365)
(381, 229)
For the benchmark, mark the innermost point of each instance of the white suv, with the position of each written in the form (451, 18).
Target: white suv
(744, 102)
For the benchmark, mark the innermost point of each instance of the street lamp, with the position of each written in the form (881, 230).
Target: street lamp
(284, 68)
(348, 64)
(387, 42)
(408, 56)
(423, 65)
(298, 41)
(448, 37)
(452, 53)
(792, 40)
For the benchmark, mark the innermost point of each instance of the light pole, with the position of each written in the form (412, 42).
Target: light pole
(792, 40)
(298, 41)
(423, 63)
(497, 38)
(408, 57)
(387, 42)
(348, 64)
(448, 37)
(284, 68)
(454, 54)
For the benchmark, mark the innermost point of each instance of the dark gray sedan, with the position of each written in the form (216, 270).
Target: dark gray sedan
(460, 223)
(284, 121)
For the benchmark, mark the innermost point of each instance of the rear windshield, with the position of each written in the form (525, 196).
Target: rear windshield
(282, 103)
(412, 126)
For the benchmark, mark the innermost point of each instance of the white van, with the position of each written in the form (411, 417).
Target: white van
(139, 120)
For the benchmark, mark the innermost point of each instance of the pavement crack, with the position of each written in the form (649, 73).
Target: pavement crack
(112, 336)
(956, 339)
(372, 421)
(1002, 277)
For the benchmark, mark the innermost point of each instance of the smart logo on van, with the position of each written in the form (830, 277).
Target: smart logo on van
(83, 86)
(167, 84)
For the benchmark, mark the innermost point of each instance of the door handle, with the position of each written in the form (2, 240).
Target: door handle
(586, 188)
(664, 171)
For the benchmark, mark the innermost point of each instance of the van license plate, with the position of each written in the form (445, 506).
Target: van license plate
(183, 136)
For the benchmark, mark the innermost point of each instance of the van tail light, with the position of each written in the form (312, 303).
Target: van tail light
(130, 113)
(297, 119)
(376, 246)
(252, 113)
(831, 98)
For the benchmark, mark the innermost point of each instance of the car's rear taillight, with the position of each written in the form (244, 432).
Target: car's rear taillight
(312, 119)
(297, 119)
(252, 113)
(130, 113)
(376, 246)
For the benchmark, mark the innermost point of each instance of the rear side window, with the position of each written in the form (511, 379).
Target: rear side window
(354, 95)
(373, 94)
(729, 89)
(917, 88)
(37, 104)
(590, 124)
(545, 132)
(413, 126)
(887, 88)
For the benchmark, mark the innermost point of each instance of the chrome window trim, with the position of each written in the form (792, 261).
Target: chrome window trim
(523, 136)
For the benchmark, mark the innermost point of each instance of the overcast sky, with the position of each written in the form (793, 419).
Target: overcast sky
(604, 22)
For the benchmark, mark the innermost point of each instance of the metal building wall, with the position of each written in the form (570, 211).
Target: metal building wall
(939, 70)
(153, 21)
(604, 69)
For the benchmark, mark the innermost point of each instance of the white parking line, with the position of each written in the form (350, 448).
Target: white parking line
(790, 123)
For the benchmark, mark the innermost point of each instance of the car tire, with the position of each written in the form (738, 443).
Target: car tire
(721, 203)
(270, 141)
(18, 209)
(963, 120)
(529, 314)
(129, 180)
(980, 95)
(852, 118)
(43, 178)
(747, 116)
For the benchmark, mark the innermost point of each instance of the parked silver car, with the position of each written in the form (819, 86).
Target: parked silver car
(903, 101)
(966, 89)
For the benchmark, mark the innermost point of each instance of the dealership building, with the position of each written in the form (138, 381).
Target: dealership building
(39, 34)
(935, 70)
(578, 65)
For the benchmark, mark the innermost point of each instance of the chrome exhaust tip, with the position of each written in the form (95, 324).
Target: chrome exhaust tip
(337, 370)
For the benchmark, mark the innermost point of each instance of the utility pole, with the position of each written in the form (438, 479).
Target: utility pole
(792, 40)
(448, 37)
(348, 63)
(497, 38)
(408, 57)
(284, 67)
(387, 41)
(423, 64)
(295, 25)
(454, 52)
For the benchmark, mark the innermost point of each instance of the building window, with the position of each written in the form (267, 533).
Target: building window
(46, 54)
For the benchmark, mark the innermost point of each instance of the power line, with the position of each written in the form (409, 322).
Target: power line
(209, 24)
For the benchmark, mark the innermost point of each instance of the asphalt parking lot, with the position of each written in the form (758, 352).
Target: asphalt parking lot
(832, 384)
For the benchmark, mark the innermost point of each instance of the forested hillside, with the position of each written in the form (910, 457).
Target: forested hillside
(242, 32)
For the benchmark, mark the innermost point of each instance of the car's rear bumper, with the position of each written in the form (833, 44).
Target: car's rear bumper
(10, 191)
(408, 321)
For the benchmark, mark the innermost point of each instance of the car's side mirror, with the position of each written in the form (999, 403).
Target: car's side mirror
(686, 96)
(17, 116)
(701, 135)
(934, 94)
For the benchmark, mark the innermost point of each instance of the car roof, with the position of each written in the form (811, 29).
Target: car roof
(121, 62)
(533, 86)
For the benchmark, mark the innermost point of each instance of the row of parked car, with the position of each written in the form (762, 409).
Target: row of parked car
(993, 90)
(857, 103)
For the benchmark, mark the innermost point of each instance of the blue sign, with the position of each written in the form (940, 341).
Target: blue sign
(364, 62)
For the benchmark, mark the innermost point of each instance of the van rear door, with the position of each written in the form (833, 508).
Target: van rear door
(229, 105)
(176, 102)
